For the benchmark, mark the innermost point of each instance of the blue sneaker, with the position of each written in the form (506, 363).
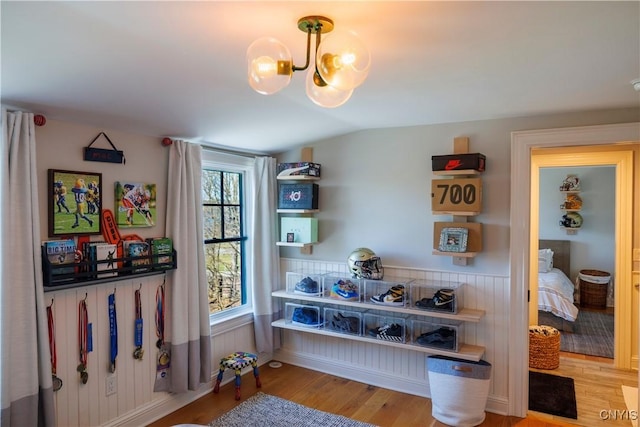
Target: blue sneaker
(307, 286)
(306, 316)
(345, 290)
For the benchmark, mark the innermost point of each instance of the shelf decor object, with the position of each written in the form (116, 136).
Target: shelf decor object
(571, 220)
(453, 239)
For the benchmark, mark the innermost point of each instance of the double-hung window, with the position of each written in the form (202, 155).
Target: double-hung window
(225, 205)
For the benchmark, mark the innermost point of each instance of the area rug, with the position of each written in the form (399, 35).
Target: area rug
(264, 410)
(592, 335)
(552, 394)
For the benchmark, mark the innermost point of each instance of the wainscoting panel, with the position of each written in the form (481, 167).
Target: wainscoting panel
(404, 369)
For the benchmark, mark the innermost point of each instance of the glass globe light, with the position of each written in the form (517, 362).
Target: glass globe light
(325, 96)
(269, 64)
(343, 60)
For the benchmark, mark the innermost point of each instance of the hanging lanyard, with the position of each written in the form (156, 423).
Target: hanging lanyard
(83, 338)
(113, 331)
(137, 335)
(57, 382)
(160, 315)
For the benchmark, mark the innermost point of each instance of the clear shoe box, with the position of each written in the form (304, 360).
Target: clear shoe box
(301, 283)
(437, 333)
(386, 326)
(437, 296)
(303, 315)
(342, 287)
(375, 290)
(343, 321)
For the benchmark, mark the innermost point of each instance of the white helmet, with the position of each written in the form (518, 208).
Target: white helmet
(364, 264)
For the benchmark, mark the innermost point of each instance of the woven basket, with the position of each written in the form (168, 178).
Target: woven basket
(544, 347)
(594, 285)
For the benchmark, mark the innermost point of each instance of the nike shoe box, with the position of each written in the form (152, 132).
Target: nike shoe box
(307, 316)
(343, 321)
(438, 296)
(298, 196)
(391, 291)
(385, 326)
(299, 169)
(342, 287)
(442, 334)
(302, 283)
(453, 162)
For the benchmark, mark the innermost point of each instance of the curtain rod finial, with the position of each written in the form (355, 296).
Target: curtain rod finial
(167, 142)
(39, 120)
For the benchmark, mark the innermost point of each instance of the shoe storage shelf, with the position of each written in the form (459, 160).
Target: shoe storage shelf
(425, 316)
(84, 273)
(298, 196)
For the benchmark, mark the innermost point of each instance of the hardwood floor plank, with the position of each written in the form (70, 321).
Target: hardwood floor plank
(598, 387)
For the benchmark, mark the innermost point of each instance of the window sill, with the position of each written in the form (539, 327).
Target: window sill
(224, 324)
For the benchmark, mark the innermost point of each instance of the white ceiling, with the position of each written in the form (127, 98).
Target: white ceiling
(177, 68)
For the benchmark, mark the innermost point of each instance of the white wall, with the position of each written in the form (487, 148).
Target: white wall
(593, 246)
(375, 189)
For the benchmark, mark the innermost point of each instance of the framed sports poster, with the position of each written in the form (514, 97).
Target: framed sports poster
(74, 202)
(135, 204)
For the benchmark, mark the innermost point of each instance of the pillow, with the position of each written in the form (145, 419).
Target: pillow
(545, 260)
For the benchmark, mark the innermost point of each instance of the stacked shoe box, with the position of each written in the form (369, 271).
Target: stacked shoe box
(343, 321)
(386, 326)
(390, 291)
(342, 287)
(303, 315)
(304, 284)
(442, 334)
(440, 296)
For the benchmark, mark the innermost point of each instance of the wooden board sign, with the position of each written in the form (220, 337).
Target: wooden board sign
(457, 196)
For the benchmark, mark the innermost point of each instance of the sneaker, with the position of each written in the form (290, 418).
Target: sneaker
(392, 332)
(442, 300)
(307, 286)
(345, 290)
(349, 324)
(306, 316)
(394, 296)
(442, 337)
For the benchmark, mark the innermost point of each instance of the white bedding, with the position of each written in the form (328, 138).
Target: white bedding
(555, 294)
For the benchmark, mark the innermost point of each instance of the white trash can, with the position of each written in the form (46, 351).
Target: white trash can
(459, 390)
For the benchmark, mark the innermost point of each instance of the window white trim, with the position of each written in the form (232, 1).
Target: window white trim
(218, 160)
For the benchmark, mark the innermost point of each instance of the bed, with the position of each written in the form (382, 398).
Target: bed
(555, 289)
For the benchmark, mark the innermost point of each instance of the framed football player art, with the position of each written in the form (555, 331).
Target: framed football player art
(74, 202)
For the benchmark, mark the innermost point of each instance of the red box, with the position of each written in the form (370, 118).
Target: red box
(451, 162)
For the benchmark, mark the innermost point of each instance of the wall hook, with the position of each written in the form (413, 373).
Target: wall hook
(52, 299)
(86, 295)
(140, 287)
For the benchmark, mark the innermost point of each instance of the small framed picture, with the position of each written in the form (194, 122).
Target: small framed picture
(453, 239)
(74, 202)
(291, 237)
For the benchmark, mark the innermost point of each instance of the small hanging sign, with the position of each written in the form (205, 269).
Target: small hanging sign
(101, 155)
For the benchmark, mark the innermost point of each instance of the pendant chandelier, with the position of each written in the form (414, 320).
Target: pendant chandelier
(341, 63)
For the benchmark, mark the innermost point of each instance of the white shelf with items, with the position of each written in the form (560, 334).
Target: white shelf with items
(571, 205)
(320, 295)
(297, 178)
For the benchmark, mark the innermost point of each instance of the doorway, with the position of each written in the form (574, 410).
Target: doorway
(599, 140)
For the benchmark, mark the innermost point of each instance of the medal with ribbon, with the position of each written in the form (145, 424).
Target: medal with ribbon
(164, 355)
(137, 332)
(57, 382)
(83, 339)
(113, 332)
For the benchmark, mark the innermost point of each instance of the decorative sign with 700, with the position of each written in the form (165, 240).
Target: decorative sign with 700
(456, 195)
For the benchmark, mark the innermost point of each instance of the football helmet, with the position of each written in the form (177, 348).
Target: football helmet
(364, 264)
(571, 220)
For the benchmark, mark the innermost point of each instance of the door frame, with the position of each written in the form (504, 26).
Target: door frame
(523, 144)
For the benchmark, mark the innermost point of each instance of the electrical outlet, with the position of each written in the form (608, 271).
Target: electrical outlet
(111, 385)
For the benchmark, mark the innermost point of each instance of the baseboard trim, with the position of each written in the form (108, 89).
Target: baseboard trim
(417, 387)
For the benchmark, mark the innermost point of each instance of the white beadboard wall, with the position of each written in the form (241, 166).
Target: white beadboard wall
(134, 403)
(400, 369)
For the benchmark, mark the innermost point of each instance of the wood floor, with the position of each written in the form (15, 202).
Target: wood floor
(597, 387)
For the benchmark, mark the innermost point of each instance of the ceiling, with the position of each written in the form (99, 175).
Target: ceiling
(178, 68)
